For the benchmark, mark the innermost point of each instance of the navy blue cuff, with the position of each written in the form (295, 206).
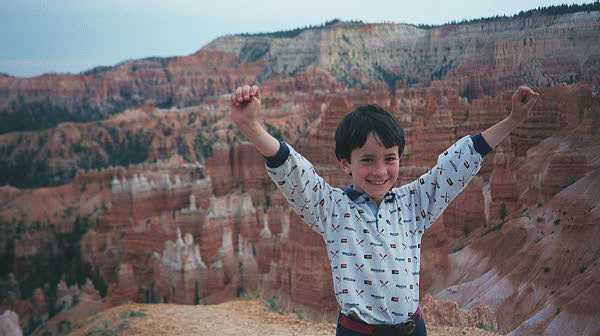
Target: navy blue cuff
(481, 146)
(279, 158)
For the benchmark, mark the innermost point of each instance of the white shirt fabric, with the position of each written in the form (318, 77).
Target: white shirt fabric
(375, 259)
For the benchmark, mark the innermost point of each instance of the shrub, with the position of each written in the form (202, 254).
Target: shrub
(64, 327)
(456, 246)
(203, 146)
(466, 229)
(469, 92)
(496, 227)
(503, 212)
(300, 314)
(486, 327)
(295, 32)
(274, 131)
(132, 313)
(273, 304)
(250, 295)
(571, 179)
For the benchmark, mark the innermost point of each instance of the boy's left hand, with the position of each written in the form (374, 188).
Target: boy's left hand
(523, 101)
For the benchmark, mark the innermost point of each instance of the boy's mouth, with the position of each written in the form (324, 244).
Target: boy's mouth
(378, 182)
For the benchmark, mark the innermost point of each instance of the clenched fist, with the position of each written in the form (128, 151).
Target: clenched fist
(522, 102)
(245, 114)
(245, 106)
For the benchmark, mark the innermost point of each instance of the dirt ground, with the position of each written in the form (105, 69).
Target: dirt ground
(239, 317)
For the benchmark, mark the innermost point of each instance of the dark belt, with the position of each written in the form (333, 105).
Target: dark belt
(405, 328)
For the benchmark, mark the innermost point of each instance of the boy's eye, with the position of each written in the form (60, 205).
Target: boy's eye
(391, 159)
(366, 160)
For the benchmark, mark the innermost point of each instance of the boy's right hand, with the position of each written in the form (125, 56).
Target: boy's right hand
(245, 113)
(245, 106)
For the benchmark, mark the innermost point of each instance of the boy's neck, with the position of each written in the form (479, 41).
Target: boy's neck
(354, 194)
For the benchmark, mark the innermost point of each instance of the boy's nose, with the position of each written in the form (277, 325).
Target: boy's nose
(379, 169)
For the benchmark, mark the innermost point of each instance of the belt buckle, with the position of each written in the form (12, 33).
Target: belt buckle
(402, 329)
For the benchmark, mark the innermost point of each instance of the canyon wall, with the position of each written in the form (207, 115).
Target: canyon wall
(152, 195)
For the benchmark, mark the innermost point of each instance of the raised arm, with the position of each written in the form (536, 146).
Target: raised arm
(245, 113)
(306, 192)
(522, 102)
(456, 166)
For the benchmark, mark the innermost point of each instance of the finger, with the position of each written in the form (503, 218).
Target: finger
(531, 103)
(255, 91)
(517, 95)
(528, 91)
(530, 95)
(533, 93)
(522, 95)
(246, 92)
(233, 99)
(238, 94)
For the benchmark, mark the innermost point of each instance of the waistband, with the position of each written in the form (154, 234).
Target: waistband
(405, 328)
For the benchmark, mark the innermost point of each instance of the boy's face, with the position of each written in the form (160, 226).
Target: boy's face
(374, 168)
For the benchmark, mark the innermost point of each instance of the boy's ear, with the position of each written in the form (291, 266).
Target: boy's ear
(345, 165)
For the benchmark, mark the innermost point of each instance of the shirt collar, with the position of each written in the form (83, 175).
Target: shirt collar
(352, 193)
(358, 196)
(355, 195)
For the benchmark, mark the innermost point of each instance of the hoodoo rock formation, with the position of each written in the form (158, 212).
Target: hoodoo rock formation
(131, 184)
(9, 324)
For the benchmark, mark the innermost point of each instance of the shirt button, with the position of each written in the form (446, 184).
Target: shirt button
(380, 216)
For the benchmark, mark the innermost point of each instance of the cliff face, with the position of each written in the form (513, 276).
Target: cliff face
(158, 204)
(543, 256)
(44, 101)
(481, 58)
(503, 50)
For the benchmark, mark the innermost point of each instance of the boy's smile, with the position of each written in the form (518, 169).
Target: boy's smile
(374, 168)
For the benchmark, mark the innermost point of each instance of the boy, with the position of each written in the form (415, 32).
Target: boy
(372, 230)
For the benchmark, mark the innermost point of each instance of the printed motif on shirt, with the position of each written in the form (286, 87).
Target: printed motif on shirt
(375, 260)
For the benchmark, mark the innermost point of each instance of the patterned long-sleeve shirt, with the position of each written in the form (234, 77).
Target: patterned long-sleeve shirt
(375, 255)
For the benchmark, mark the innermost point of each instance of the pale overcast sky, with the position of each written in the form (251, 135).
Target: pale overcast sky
(38, 36)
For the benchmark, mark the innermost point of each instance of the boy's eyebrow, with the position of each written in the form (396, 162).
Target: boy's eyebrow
(373, 155)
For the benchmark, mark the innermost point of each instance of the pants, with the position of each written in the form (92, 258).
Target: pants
(420, 330)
